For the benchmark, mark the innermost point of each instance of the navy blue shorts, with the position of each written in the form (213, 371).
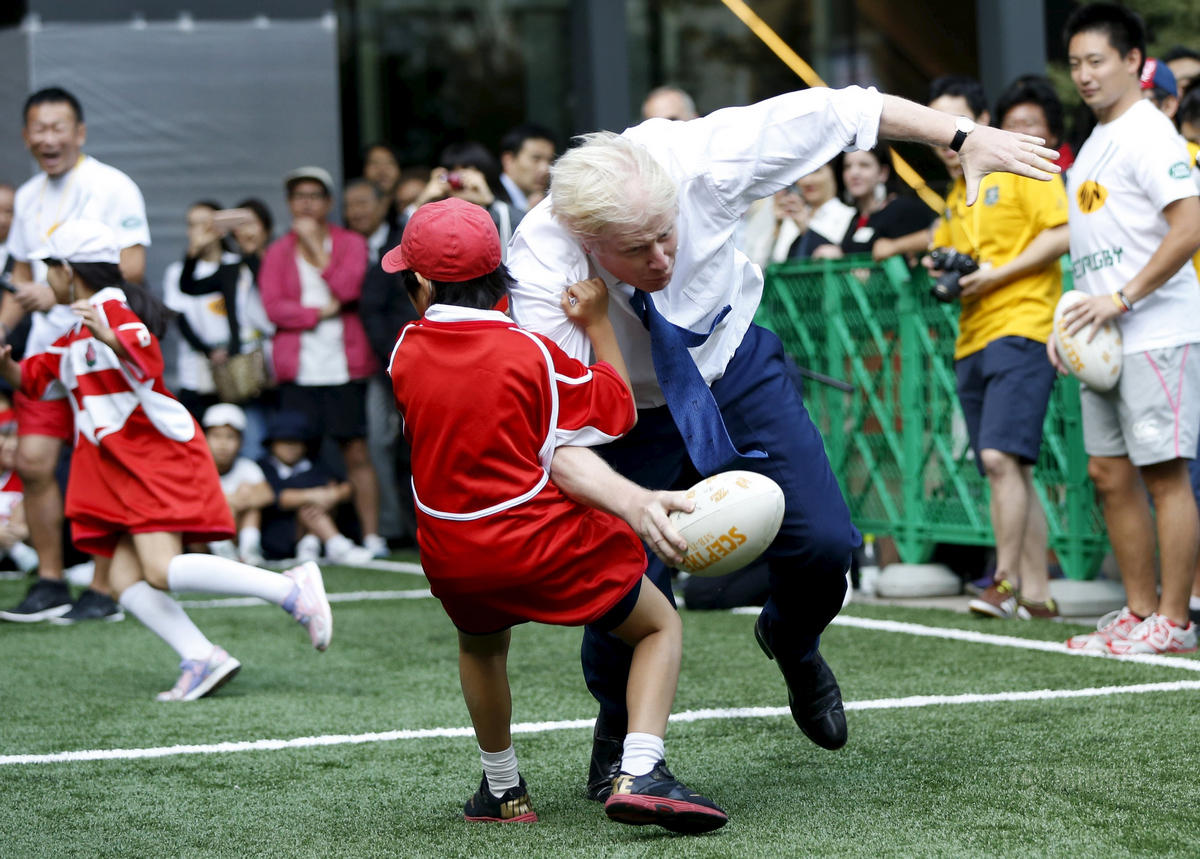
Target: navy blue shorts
(762, 408)
(1004, 389)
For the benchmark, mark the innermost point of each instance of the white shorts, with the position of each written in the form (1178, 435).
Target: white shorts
(1153, 414)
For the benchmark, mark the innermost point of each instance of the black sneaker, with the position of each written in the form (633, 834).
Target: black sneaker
(608, 744)
(91, 605)
(46, 598)
(512, 806)
(813, 693)
(658, 798)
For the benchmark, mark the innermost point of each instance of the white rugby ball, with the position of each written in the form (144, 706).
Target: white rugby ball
(1096, 364)
(737, 515)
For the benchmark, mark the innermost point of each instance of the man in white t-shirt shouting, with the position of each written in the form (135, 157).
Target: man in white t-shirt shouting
(1135, 224)
(69, 186)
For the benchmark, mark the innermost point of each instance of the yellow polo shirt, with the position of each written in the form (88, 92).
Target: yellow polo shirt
(1194, 152)
(1010, 212)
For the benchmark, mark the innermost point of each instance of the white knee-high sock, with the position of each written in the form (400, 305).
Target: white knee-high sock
(208, 574)
(641, 753)
(166, 619)
(500, 769)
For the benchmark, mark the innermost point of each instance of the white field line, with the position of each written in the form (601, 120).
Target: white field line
(345, 596)
(578, 724)
(997, 640)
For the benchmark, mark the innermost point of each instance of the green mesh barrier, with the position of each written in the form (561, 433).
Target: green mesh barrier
(897, 442)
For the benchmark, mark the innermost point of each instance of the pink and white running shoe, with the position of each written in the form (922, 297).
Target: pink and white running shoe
(308, 603)
(1114, 625)
(202, 677)
(1156, 634)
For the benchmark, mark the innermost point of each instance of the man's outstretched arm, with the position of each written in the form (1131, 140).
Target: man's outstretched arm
(986, 149)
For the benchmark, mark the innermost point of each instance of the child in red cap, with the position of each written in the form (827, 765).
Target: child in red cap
(485, 404)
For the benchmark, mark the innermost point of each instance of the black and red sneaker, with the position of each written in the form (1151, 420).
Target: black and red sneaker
(512, 806)
(658, 798)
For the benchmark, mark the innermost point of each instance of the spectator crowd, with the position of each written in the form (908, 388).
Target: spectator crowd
(283, 327)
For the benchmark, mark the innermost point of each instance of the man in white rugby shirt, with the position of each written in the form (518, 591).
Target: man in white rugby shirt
(70, 185)
(1135, 223)
(653, 213)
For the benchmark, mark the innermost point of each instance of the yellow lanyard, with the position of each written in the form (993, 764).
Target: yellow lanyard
(62, 198)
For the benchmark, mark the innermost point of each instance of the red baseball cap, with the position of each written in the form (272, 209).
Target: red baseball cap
(449, 241)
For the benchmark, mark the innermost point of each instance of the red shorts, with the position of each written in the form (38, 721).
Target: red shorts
(44, 417)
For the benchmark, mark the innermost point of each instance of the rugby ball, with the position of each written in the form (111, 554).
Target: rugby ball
(737, 515)
(1096, 364)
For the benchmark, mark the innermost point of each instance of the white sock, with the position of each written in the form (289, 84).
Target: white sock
(642, 752)
(500, 769)
(208, 574)
(1194, 603)
(249, 540)
(166, 619)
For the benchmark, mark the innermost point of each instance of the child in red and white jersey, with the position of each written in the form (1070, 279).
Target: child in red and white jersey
(142, 479)
(485, 405)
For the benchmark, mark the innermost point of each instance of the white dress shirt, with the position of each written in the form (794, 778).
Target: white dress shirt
(722, 163)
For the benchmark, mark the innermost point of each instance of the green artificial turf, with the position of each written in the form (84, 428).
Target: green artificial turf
(1094, 776)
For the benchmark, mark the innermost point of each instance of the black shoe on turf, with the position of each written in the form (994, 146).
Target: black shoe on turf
(813, 693)
(660, 799)
(91, 605)
(46, 598)
(608, 744)
(512, 806)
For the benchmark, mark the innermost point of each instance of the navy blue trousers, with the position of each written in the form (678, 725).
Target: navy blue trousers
(763, 408)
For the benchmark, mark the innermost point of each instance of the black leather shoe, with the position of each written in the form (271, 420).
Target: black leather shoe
(813, 693)
(608, 744)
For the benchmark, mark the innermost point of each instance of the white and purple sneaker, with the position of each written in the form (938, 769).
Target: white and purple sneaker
(202, 677)
(308, 604)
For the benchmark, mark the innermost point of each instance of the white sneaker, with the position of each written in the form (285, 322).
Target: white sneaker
(377, 545)
(1156, 634)
(202, 677)
(309, 605)
(340, 550)
(1113, 626)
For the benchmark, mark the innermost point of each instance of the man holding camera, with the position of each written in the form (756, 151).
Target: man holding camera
(1015, 234)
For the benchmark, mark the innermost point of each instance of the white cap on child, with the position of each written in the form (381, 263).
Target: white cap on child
(80, 241)
(224, 415)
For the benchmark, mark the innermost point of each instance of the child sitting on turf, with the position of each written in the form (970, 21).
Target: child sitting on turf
(142, 482)
(485, 403)
(307, 496)
(242, 480)
(13, 530)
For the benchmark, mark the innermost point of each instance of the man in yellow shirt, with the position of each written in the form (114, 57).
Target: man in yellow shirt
(1016, 231)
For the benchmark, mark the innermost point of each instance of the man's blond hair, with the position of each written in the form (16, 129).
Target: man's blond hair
(610, 187)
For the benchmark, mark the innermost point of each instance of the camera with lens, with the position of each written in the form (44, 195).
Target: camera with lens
(953, 265)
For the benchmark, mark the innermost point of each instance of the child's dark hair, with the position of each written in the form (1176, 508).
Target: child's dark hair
(1123, 27)
(1032, 89)
(962, 86)
(153, 313)
(482, 293)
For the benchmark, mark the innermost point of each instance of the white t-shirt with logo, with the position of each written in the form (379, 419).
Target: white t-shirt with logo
(91, 189)
(1127, 172)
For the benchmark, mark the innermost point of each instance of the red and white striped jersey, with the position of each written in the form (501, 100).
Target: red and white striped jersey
(141, 463)
(105, 391)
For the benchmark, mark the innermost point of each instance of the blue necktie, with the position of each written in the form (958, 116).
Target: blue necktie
(691, 402)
